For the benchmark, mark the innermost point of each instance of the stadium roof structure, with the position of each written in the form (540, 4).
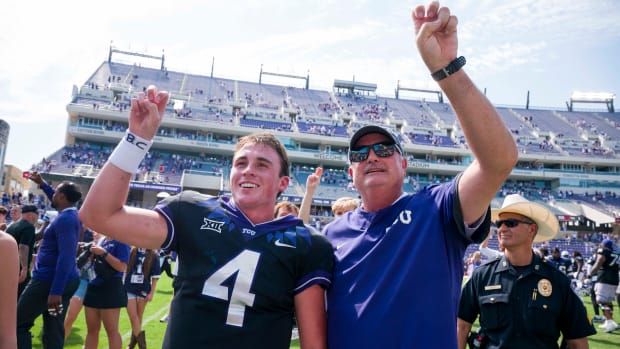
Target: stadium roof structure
(592, 97)
(355, 88)
(401, 88)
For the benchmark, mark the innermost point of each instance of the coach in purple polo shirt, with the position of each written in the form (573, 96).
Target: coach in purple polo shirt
(399, 257)
(55, 274)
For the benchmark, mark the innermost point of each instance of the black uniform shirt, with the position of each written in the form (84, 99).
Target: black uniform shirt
(526, 311)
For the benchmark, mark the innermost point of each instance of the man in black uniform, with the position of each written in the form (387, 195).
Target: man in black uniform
(242, 274)
(23, 231)
(523, 301)
(606, 271)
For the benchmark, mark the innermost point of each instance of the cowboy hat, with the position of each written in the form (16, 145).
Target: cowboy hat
(547, 222)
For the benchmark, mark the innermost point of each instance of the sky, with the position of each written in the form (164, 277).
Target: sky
(550, 48)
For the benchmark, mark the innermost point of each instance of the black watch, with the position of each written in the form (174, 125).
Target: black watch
(105, 254)
(450, 69)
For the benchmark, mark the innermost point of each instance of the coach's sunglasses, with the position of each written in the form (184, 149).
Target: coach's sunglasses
(383, 150)
(510, 222)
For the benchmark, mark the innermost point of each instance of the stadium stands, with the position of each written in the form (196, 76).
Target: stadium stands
(561, 151)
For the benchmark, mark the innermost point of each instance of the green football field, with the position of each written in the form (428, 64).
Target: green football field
(158, 307)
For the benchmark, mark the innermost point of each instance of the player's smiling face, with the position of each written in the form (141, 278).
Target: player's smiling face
(255, 177)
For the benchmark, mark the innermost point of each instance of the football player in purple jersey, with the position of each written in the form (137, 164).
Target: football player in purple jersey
(242, 273)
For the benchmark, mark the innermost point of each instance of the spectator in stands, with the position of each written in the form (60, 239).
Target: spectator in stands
(3, 213)
(55, 275)
(501, 291)
(23, 232)
(218, 237)
(140, 282)
(380, 247)
(8, 288)
(607, 280)
(343, 205)
(105, 293)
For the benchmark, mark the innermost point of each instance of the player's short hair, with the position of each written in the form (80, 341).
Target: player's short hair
(272, 142)
(4, 210)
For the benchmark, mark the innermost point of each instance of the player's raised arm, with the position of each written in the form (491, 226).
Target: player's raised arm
(103, 209)
(487, 136)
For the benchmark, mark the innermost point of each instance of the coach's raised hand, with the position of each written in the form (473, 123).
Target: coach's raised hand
(436, 36)
(147, 111)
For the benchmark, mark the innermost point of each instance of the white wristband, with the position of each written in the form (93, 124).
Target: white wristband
(129, 153)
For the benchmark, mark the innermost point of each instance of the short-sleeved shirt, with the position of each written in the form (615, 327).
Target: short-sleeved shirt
(398, 272)
(526, 311)
(237, 281)
(23, 232)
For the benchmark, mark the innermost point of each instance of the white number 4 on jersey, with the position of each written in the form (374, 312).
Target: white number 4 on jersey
(245, 264)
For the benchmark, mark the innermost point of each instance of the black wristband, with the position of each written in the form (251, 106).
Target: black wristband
(450, 69)
(105, 254)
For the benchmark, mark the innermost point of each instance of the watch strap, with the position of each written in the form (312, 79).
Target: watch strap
(450, 69)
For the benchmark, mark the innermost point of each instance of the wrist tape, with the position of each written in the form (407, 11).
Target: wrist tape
(129, 152)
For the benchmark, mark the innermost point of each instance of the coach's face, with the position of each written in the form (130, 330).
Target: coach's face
(255, 177)
(385, 173)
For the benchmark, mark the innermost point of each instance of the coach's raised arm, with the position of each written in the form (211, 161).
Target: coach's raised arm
(488, 138)
(103, 209)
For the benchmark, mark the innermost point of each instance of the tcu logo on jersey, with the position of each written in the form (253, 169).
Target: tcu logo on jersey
(404, 217)
(248, 232)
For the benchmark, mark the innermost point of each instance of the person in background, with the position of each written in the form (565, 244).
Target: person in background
(24, 233)
(558, 261)
(384, 288)
(3, 213)
(141, 278)
(343, 205)
(55, 276)
(15, 214)
(284, 208)
(9, 260)
(607, 279)
(87, 239)
(105, 293)
(473, 262)
(523, 301)
(486, 251)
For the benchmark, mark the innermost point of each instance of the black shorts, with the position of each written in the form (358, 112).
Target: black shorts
(108, 295)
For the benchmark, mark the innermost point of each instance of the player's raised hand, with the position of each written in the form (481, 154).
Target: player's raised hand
(147, 111)
(436, 35)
